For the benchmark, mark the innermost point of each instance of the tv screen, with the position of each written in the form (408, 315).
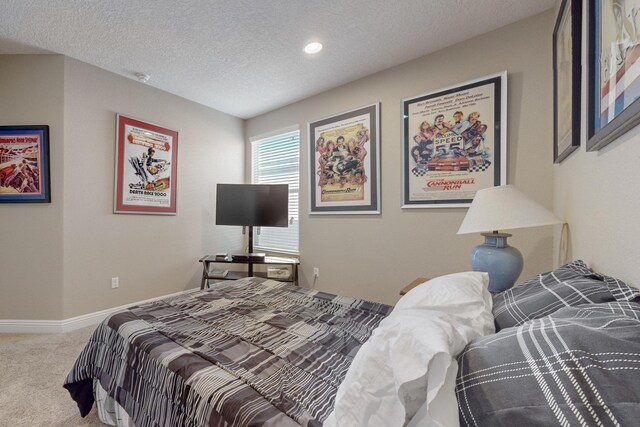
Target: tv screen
(257, 205)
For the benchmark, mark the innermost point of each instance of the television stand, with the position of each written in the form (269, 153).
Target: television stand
(222, 269)
(248, 257)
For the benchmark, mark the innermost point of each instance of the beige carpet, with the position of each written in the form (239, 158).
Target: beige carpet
(32, 370)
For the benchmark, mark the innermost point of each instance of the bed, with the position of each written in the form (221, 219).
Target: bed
(562, 348)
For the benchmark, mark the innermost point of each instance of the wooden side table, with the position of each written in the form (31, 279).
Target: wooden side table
(413, 284)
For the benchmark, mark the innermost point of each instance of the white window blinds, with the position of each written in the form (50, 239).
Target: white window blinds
(276, 160)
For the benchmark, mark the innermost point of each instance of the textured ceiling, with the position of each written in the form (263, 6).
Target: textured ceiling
(244, 57)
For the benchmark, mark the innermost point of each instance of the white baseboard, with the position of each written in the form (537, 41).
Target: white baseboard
(30, 326)
(66, 325)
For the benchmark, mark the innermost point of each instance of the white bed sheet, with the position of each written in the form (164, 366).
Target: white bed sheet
(109, 411)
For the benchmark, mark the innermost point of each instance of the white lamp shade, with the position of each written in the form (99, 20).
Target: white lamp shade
(504, 208)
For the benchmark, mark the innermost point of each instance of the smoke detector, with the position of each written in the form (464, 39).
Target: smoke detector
(142, 77)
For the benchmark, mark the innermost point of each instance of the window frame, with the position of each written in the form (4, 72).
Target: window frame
(254, 142)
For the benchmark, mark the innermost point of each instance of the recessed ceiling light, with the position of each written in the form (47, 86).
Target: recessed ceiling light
(313, 47)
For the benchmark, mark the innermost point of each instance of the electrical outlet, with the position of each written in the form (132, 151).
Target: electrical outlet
(316, 272)
(115, 282)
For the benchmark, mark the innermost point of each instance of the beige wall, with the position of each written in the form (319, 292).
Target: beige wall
(374, 256)
(64, 254)
(597, 194)
(32, 93)
(69, 250)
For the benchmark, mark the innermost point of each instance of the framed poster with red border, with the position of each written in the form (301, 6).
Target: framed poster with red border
(146, 168)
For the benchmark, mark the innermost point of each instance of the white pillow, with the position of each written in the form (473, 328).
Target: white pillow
(407, 366)
(462, 294)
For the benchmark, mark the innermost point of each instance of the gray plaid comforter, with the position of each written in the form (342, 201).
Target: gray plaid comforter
(246, 353)
(579, 366)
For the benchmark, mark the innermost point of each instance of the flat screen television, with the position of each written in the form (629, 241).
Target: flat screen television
(256, 205)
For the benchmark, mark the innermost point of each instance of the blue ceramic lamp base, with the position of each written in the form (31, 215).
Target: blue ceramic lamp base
(502, 262)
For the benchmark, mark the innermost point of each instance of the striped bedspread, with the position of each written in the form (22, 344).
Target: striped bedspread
(250, 352)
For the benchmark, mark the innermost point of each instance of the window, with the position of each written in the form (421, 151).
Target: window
(276, 160)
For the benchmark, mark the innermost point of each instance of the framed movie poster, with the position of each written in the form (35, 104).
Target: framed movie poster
(146, 168)
(613, 70)
(454, 143)
(24, 164)
(344, 160)
(566, 79)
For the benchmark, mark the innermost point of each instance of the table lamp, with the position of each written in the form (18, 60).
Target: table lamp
(501, 208)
